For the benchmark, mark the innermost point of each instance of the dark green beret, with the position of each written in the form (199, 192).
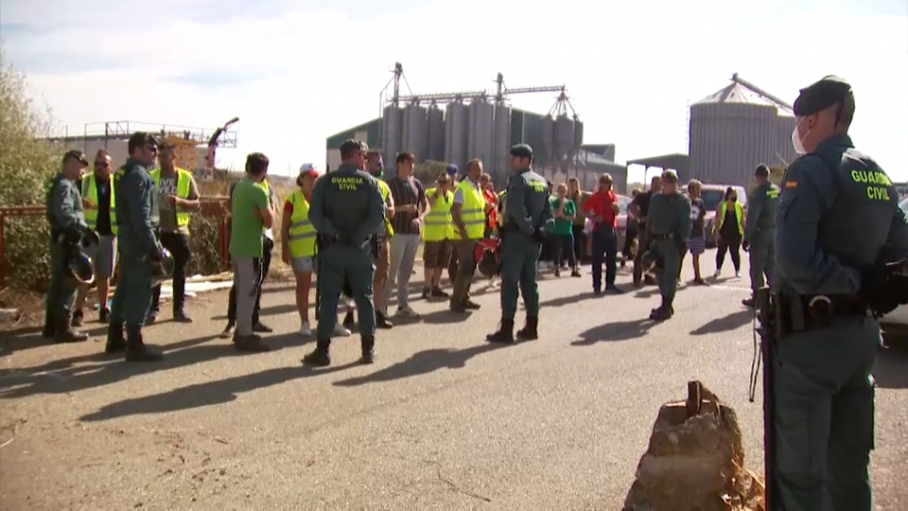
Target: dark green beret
(821, 95)
(761, 171)
(522, 151)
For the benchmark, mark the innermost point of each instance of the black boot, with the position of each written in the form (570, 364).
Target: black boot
(529, 331)
(136, 351)
(381, 321)
(64, 332)
(749, 302)
(319, 357)
(505, 333)
(368, 346)
(115, 340)
(664, 312)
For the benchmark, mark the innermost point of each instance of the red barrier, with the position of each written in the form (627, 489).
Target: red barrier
(211, 206)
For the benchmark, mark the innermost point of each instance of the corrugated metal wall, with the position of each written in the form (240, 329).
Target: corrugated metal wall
(727, 141)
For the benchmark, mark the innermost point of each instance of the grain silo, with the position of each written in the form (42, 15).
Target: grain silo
(736, 129)
(564, 139)
(457, 123)
(499, 164)
(391, 128)
(548, 155)
(436, 128)
(482, 128)
(578, 140)
(415, 131)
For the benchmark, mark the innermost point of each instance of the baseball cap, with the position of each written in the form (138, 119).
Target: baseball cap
(309, 168)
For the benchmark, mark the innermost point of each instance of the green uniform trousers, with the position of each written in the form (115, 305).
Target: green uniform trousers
(357, 265)
(519, 257)
(824, 420)
(62, 292)
(671, 268)
(762, 260)
(132, 298)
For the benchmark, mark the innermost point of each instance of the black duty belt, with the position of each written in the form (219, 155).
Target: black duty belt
(815, 312)
(659, 237)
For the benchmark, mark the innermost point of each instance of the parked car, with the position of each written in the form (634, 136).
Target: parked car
(713, 195)
(896, 322)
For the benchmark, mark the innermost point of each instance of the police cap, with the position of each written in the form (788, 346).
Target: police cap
(821, 95)
(522, 151)
(73, 154)
(761, 171)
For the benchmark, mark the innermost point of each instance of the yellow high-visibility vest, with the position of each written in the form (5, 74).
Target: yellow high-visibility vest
(90, 192)
(439, 224)
(472, 212)
(302, 232)
(739, 212)
(385, 192)
(184, 182)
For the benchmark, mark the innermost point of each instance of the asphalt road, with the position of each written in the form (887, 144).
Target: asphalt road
(442, 421)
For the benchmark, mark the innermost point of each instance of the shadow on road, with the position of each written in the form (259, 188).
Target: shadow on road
(620, 331)
(726, 324)
(62, 377)
(891, 370)
(445, 316)
(567, 300)
(27, 338)
(206, 394)
(420, 363)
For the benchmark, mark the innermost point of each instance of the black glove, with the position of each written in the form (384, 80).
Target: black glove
(885, 287)
(538, 235)
(746, 246)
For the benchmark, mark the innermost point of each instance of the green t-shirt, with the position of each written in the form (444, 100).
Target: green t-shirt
(246, 228)
(564, 225)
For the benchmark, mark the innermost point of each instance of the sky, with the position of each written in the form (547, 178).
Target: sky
(296, 72)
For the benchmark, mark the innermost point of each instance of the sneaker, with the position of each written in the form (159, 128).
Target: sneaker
(228, 331)
(737, 274)
(717, 274)
(262, 328)
(180, 316)
(575, 273)
(557, 272)
(406, 311)
(437, 292)
(381, 321)
(340, 331)
(305, 330)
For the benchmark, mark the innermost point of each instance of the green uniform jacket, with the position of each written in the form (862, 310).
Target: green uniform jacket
(669, 214)
(348, 202)
(137, 210)
(761, 212)
(527, 206)
(64, 205)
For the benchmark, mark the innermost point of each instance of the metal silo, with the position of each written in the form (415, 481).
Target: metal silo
(481, 131)
(736, 129)
(415, 132)
(548, 156)
(578, 139)
(564, 137)
(457, 117)
(436, 123)
(391, 128)
(498, 165)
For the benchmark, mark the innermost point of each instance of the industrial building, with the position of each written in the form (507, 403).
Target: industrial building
(192, 145)
(731, 132)
(456, 127)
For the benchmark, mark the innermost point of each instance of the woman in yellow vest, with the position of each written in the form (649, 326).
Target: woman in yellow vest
(729, 231)
(436, 236)
(298, 241)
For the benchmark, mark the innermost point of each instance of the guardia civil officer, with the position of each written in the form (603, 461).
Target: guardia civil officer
(347, 208)
(137, 218)
(760, 229)
(668, 229)
(67, 228)
(527, 216)
(837, 215)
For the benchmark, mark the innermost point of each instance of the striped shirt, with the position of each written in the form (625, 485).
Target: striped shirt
(406, 192)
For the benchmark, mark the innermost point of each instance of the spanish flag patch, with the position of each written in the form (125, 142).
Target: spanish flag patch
(791, 184)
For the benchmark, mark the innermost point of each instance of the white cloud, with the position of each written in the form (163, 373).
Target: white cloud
(296, 74)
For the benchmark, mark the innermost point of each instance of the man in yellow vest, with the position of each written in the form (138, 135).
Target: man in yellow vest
(468, 214)
(436, 234)
(178, 195)
(375, 167)
(98, 200)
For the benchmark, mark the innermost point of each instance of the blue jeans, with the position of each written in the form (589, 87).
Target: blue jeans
(563, 247)
(605, 245)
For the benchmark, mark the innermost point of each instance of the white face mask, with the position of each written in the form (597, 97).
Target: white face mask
(796, 139)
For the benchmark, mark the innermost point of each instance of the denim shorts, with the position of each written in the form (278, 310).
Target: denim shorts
(303, 264)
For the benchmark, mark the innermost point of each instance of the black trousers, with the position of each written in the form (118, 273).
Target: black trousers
(266, 264)
(579, 242)
(178, 246)
(731, 245)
